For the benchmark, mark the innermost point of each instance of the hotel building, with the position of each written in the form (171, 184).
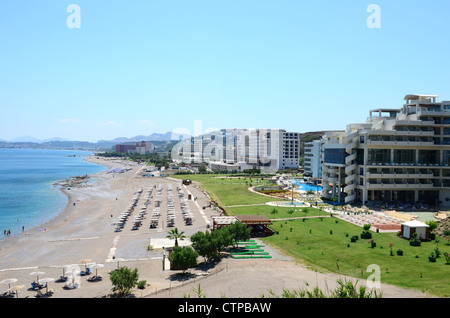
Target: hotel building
(313, 159)
(398, 155)
(240, 149)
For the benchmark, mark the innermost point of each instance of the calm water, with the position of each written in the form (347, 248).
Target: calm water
(27, 195)
(306, 187)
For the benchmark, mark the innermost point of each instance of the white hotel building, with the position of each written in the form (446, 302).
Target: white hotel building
(239, 149)
(313, 157)
(398, 155)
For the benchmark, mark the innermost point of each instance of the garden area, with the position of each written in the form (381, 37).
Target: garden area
(334, 245)
(331, 244)
(229, 190)
(233, 196)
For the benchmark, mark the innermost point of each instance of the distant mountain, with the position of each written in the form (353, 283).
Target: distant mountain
(168, 136)
(35, 140)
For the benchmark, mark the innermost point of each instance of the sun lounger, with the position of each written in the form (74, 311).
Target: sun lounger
(95, 278)
(35, 286)
(87, 272)
(71, 286)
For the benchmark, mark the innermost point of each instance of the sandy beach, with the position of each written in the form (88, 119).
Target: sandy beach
(86, 230)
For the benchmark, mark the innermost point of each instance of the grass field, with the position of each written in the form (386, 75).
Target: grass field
(310, 241)
(229, 191)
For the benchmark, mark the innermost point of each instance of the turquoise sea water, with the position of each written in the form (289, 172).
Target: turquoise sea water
(306, 187)
(27, 195)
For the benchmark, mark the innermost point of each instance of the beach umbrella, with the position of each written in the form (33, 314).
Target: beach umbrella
(73, 273)
(85, 261)
(46, 281)
(118, 260)
(16, 289)
(8, 281)
(37, 274)
(97, 266)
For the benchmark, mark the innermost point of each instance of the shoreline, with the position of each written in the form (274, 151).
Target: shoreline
(64, 211)
(86, 231)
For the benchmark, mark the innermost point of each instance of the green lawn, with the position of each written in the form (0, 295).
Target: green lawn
(282, 212)
(321, 250)
(324, 251)
(229, 191)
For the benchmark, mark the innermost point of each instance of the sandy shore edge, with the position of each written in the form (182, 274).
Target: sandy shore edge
(66, 211)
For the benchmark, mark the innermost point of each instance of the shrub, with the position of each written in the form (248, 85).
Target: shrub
(141, 284)
(354, 238)
(124, 279)
(432, 257)
(183, 258)
(415, 242)
(366, 235)
(400, 252)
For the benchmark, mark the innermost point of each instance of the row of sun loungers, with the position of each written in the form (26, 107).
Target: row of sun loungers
(142, 211)
(123, 217)
(140, 216)
(170, 207)
(375, 218)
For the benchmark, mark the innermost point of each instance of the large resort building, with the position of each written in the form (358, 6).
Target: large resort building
(398, 155)
(240, 149)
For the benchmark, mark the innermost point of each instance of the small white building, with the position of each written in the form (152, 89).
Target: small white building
(411, 227)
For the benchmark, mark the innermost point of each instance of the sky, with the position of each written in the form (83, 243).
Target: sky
(139, 67)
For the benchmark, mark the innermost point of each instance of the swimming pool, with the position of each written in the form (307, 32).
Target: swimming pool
(307, 187)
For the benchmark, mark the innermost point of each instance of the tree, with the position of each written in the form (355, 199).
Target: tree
(290, 211)
(204, 245)
(183, 258)
(304, 210)
(175, 235)
(210, 244)
(238, 231)
(124, 279)
(447, 233)
(432, 224)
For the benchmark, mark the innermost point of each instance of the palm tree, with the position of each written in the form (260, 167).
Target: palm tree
(175, 235)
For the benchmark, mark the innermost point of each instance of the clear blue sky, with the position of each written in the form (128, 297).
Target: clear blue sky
(143, 66)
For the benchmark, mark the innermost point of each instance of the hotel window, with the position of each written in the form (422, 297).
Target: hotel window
(380, 156)
(446, 157)
(404, 156)
(336, 156)
(428, 156)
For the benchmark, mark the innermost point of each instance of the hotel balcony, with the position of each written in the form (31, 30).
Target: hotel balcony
(409, 186)
(412, 164)
(399, 175)
(399, 143)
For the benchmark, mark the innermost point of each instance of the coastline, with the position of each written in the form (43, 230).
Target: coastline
(64, 211)
(87, 231)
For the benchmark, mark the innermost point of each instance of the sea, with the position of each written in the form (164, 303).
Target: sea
(28, 197)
